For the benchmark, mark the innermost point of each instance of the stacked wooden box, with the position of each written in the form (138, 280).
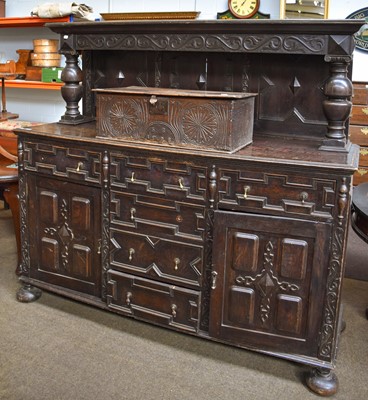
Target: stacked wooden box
(359, 129)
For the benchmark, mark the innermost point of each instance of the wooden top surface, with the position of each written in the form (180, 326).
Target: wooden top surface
(264, 149)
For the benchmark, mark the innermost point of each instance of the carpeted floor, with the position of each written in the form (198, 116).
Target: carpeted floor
(58, 349)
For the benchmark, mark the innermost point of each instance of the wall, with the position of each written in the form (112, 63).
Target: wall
(48, 106)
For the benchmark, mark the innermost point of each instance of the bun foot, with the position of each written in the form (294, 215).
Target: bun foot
(28, 293)
(322, 381)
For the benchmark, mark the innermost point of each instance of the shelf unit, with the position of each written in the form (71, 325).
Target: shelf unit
(30, 22)
(23, 84)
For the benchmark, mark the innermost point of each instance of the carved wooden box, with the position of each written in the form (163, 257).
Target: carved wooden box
(202, 119)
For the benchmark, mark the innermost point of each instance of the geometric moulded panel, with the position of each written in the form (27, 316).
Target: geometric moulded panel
(289, 314)
(81, 213)
(49, 254)
(82, 261)
(48, 207)
(294, 254)
(241, 306)
(245, 252)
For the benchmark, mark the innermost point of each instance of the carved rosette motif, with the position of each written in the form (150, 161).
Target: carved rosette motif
(262, 43)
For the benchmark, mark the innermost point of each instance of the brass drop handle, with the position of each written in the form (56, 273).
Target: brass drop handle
(132, 179)
(177, 262)
(181, 183)
(79, 166)
(246, 191)
(303, 197)
(132, 213)
(128, 298)
(99, 247)
(131, 253)
(173, 310)
(214, 279)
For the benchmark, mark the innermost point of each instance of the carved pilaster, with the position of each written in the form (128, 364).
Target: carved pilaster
(337, 107)
(205, 303)
(105, 224)
(23, 268)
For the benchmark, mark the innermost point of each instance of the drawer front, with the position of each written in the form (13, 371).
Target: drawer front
(156, 216)
(363, 157)
(65, 162)
(360, 176)
(169, 261)
(152, 301)
(158, 177)
(359, 134)
(359, 115)
(360, 93)
(276, 193)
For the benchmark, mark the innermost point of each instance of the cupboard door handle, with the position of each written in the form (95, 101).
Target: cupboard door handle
(132, 179)
(79, 166)
(131, 253)
(99, 247)
(181, 183)
(132, 213)
(173, 310)
(177, 262)
(246, 191)
(128, 298)
(214, 279)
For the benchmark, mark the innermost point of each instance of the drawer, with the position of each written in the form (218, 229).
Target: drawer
(74, 164)
(152, 301)
(153, 257)
(159, 177)
(278, 194)
(360, 176)
(157, 216)
(360, 93)
(359, 115)
(363, 156)
(359, 134)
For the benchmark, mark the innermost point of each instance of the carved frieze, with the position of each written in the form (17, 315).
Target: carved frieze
(254, 43)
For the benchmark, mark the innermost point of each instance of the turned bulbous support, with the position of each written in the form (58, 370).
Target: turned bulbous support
(337, 107)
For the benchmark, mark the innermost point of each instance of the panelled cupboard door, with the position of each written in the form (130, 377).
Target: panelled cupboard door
(267, 281)
(64, 244)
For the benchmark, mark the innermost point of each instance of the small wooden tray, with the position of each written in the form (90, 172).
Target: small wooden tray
(150, 15)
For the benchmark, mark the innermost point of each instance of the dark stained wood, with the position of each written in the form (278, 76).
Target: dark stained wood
(246, 248)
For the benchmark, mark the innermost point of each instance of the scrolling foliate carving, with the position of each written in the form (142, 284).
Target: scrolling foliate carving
(262, 43)
(326, 346)
(205, 303)
(24, 266)
(105, 224)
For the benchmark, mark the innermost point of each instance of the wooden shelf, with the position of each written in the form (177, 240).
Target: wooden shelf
(22, 84)
(27, 22)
